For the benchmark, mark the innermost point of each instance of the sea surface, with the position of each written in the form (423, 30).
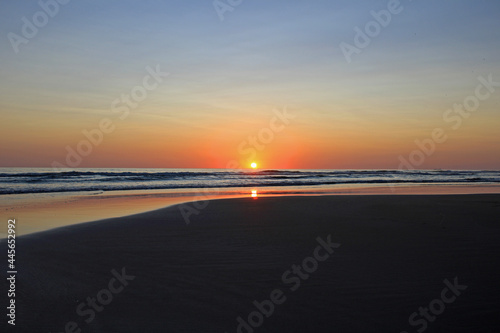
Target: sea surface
(47, 180)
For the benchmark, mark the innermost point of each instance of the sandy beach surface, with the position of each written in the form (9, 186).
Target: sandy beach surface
(363, 263)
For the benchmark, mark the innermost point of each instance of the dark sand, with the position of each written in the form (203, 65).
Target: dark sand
(395, 253)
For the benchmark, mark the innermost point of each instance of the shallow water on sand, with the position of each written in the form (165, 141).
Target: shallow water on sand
(43, 211)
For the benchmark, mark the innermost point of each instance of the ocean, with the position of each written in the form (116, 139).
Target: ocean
(47, 180)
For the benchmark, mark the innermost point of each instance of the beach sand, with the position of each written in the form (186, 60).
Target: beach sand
(391, 256)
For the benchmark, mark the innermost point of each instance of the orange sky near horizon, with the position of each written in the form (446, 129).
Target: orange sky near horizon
(150, 142)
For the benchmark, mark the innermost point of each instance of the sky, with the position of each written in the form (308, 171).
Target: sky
(288, 84)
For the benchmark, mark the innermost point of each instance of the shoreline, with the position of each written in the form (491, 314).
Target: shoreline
(46, 211)
(395, 252)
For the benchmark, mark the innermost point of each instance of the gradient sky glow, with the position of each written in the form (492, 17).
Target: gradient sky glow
(227, 79)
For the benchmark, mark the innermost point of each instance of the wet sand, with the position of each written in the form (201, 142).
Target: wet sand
(388, 256)
(45, 211)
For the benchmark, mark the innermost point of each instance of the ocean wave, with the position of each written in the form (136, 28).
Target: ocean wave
(225, 183)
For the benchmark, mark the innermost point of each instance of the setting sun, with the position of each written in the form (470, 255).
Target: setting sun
(253, 165)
